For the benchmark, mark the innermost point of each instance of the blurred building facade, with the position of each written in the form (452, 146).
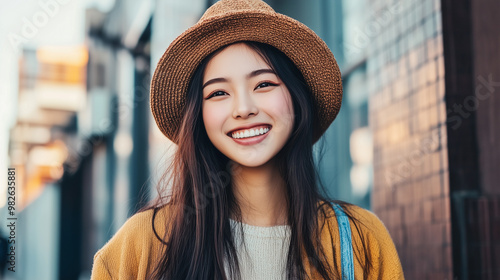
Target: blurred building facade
(416, 140)
(114, 169)
(41, 92)
(82, 119)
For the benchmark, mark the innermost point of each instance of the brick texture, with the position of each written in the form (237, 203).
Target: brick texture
(408, 118)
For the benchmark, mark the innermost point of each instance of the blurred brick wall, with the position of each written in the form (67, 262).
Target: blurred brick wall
(407, 116)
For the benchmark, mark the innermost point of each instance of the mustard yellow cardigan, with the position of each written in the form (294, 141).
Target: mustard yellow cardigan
(134, 249)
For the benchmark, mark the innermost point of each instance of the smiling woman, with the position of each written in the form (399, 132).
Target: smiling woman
(245, 106)
(250, 98)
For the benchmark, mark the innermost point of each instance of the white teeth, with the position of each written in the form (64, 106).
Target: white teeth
(249, 133)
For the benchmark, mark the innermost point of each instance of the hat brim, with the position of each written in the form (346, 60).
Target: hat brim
(309, 53)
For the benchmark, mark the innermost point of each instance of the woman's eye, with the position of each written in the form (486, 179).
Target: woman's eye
(265, 84)
(217, 93)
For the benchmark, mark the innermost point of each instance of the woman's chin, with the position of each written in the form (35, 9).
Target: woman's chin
(251, 163)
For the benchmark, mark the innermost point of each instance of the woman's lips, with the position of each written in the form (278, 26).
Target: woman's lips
(249, 127)
(251, 140)
(249, 132)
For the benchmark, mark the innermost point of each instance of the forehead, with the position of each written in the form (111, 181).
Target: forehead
(234, 60)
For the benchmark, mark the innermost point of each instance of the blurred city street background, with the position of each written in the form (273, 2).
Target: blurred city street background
(417, 140)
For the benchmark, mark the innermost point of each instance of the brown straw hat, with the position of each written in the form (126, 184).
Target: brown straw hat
(229, 21)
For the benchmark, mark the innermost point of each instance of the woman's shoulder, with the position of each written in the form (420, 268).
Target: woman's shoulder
(139, 227)
(366, 221)
(371, 241)
(132, 247)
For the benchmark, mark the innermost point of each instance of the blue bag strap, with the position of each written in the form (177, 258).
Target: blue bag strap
(346, 257)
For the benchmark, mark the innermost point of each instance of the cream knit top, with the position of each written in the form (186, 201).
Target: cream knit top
(262, 251)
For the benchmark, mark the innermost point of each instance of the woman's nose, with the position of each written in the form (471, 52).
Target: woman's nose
(244, 106)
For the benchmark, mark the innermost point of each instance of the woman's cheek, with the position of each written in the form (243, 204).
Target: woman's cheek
(281, 108)
(213, 118)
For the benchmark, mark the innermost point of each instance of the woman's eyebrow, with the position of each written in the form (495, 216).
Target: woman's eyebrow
(259, 72)
(212, 81)
(250, 75)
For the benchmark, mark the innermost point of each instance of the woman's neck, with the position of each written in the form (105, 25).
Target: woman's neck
(261, 195)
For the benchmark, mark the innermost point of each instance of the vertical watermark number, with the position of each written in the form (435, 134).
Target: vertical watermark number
(11, 218)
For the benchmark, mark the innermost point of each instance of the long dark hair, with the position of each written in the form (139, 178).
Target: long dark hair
(198, 240)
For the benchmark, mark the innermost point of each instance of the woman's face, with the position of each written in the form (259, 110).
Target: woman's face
(247, 110)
